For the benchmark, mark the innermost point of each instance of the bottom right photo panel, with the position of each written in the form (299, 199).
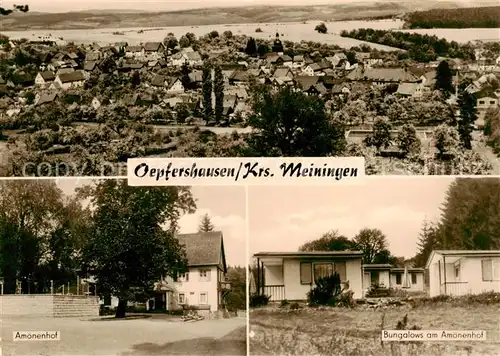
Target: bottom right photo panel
(389, 266)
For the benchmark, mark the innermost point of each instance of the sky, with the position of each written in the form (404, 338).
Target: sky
(284, 218)
(226, 207)
(165, 5)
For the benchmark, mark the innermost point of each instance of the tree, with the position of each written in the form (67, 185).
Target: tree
(468, 117)
(186, 81)
(206, 224)
(184, 41)
(446, 140)
(133, 243)
(262, 49)
(236, 298)
(380, 137)
(170, 41)
(136, 79)
(331, 241)
(471, 215)
(218, 93)
(444, 76)
(227, 34)
(372, 242)
(428, 240)
(408, 141)
(22, 8)
(291, 123)
(207, 91)
(213, 34)
(321, 28)
(251, 48)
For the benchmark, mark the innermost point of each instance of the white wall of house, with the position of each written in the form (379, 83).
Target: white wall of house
(486, 103)
(413, 287)
(198, 285)
(177, 87)
(464, 276)
(294, 290)
(69, 85)
(273, 275)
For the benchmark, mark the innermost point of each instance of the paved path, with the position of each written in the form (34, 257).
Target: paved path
(130, 337)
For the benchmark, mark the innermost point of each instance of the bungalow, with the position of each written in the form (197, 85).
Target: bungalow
(44, 78)
(455, 272)
(204, 284)
(291, 275)
(388, 276)
(70, 80)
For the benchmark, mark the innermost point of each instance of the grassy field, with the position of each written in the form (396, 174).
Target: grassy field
(344, 332)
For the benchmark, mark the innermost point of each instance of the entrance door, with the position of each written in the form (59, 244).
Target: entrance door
(374, 278)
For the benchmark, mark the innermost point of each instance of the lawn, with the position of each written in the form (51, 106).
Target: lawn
(343, 332)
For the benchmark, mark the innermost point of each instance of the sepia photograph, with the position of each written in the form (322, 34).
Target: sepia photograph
(412, 86)
(339, 270)
(96, 267)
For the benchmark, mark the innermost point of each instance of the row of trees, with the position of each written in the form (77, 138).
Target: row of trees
(470, 17)
(470, 221)
(422, 48)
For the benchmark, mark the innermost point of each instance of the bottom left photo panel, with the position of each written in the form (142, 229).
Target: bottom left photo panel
(97, 267)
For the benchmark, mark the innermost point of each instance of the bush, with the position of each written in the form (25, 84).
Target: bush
(284, 303)
(258, 29)
(294, 306)
(259, 300)
(326, 291)
(321, 28)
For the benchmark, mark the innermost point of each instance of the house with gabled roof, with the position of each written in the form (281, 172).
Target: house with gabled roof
(134, 51)
(44, 78)
(45, 98)
(70, 80)
(154, 50)
(204, 283)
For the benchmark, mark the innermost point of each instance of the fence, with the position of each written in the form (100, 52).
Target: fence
(46, 305)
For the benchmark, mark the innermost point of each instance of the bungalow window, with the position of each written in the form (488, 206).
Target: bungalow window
(490, 270)
(413, 278)
(481, 101)
(203, 298)
(205, 275)
(182, 298)
(327, 269)
(457, 271)
(305, 273)
(398, 278)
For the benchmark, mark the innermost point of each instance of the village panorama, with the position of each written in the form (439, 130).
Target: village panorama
(407, 101)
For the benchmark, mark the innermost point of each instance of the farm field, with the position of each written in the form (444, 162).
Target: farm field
(358, 331)
(290, 31)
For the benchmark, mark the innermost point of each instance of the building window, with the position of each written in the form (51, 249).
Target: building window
(203, 298)
(481, 101)
(182, 298)
(457, 271)
(322, 270)
(490, 270)
(205, 275)
(184, 277)
(413, 278)
(305, 273)
(398, 278)
(492, 102)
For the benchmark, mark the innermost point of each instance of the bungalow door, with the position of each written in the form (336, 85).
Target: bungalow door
(374, 278)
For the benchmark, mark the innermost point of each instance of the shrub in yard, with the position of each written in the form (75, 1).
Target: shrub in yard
(326, 291)
(294, 306)
(284, 303)
(259, 300)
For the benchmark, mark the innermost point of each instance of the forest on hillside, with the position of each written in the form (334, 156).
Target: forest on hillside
(475, 17)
